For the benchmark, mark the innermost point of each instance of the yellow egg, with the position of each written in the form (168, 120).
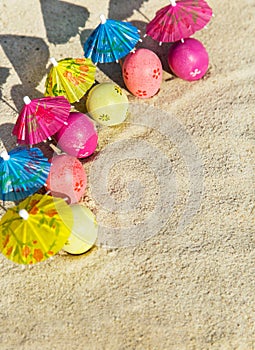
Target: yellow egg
(107, 103)
(84, 231)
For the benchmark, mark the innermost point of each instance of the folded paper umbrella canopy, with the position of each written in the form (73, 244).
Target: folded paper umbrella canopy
(35, 229)
(23, 171)
(111, 40)
(179, 20)
(70, 77)
(41, 118)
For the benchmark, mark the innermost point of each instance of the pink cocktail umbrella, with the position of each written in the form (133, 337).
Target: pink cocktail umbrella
(41, 118)
(179, 20)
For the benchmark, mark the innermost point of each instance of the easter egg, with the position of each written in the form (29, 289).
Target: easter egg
(188, 60)
(78, 138)
(67, 176)
(142, 73)
(84, 230)
(107, 103)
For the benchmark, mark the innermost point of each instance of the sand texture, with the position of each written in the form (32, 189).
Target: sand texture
(173, 191)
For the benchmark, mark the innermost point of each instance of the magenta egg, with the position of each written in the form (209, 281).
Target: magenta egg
(78, 138)
(188, 60)
(142, 73)
(67, 177)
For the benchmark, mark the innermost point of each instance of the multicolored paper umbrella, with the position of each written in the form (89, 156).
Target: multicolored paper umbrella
(70, 77)
(179, 20)
(23, 171)
(111, 40)
(34, 230)
(41, 118)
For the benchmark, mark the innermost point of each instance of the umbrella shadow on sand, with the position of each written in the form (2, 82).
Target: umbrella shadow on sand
(19, 91)
(4, 74)
(62, 20)
(120, 13)
(6, 138)
(29, 57)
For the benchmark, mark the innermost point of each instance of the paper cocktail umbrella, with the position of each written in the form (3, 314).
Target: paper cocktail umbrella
(179, 20)
(70, 77)
(23, 171)
(35, 229)
(111, 40)
(41, 118)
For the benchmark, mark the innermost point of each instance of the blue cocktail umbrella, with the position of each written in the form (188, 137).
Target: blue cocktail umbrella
(23, 171)
(111, 40)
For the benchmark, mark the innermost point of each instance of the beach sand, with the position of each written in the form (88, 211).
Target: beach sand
(176, 272)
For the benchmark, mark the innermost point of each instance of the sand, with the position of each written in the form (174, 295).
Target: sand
(173, 190)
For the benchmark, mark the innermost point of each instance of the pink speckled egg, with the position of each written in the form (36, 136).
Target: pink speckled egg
(142, 73)
(78, 138)
(188, 60)
(67, 177)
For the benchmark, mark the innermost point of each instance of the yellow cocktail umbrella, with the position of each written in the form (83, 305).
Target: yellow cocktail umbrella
(35, 229)
(70, 77)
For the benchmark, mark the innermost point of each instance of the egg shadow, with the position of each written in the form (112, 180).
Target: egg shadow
(113, 71)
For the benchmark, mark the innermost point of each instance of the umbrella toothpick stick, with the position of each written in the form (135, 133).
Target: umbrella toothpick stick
(3, 207)
(4, 154)
(144, 16)
(26, 100)
(66, 199)
(23, 214)
(56, 149)
(9, 105)
(54, 62)
(102, 19)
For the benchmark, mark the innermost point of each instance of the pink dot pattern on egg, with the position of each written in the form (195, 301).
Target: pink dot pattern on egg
(79, 138)
(141, 93)
(142, 73)
(188, 60)
(125, 73)
(156, 73)
(67, 176)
